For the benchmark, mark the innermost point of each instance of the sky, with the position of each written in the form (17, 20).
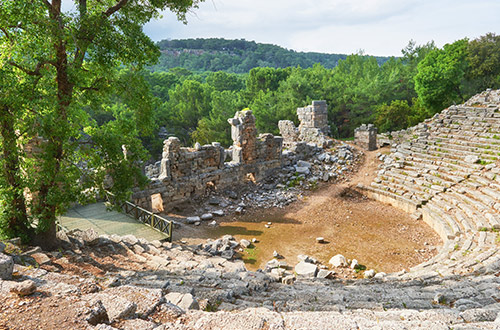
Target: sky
(376, 27)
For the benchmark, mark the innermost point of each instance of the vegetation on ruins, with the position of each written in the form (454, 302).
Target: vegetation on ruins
(60, 70)
(83, 96)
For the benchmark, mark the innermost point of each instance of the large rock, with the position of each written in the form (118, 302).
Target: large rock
(6, 267)
(306, 269)
(183, 300)
(192, 220)
(96, 313)
(130, 239)
(23, 288)
(471, 159)
(338, 261)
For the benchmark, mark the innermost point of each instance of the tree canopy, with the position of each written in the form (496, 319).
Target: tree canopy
(55, 65)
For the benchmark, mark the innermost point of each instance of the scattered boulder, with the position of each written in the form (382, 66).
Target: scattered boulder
(354, 264)
(183, 300)
(129, 239)
(320, 240)
(338, 261)
(245, 243)
(325, 273)
(96, 313)
(23, 288)
(288, 280)
(471, 159)
(369, 273)
(6, 267)
(41, 258)
(207, 216)
(192, 220)
(219, 213)
(306, 269)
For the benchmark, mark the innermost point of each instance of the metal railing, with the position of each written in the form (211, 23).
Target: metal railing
(146, 217)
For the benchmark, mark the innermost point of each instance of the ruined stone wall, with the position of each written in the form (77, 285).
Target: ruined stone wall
(313, 126)
(189, 173)
(365, 136)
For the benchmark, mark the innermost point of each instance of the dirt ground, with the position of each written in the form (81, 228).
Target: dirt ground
(377, 235)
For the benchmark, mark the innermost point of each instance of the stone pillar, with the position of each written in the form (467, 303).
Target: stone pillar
(244, 135)
(314, 116)
(171, 148)
(366, 137)
(288, 131)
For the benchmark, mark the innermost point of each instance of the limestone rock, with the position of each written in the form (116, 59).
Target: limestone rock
(369, 273)
(354, 264)
(6, 267)
(306, 269)
(90, 236)
(136, 324)
(23, 288)
(320, 239)
(207, 216)
(325, 273)
(471, 159)
(245, 243)
(96, 313)
(338, 261)
(192, 220)
(129, 239)
(183, 300)
(41, 258)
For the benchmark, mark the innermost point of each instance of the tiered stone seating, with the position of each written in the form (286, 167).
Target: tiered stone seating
(445, 169)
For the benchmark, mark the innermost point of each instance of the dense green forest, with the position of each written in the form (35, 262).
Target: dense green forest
(394, 94)
(237, 56)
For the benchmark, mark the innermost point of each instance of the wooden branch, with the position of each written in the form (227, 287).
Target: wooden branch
(35, 72)
(115, 8)
(6, 34)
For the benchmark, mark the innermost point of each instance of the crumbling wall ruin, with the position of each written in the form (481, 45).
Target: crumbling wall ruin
(188, 173)
(365, 136)
(313, 127)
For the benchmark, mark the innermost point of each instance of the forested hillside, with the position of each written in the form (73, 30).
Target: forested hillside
(395, 94)
(237, 56)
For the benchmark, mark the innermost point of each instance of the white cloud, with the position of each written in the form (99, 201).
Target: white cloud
(380, 27)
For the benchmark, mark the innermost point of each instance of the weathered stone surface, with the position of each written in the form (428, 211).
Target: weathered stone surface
(23, 288)
(366, 137)
(207, 216)
(306, 269)
(183, 300)
(471, 159)
(129, 239)
(192, 220)
(245, 243)
(338, 261)
(6, 266)
(137, 324)
(40, 258)
(324, 273)
(96, 313)
(2, 247)
(369, 273)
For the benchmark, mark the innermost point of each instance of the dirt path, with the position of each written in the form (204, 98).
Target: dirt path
(377, 235)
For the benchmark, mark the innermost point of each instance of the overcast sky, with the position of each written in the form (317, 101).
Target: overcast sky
(378, 27)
